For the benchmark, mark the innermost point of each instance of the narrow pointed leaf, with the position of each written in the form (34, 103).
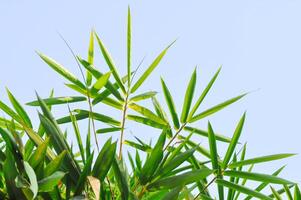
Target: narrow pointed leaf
(101, 82)
(58, 100)
(182, 179)
(146, 121)
(150, 69)
(203, 95)
(47, 184)
(61, 70)
(110, 63)
(205, 134)
(215, 109)
(257, 177)
(188, 97)
(90, 57)
(234, 141)
(170, 104)
(242, 189)
(19, 109)
(259, 160)
(143, 96)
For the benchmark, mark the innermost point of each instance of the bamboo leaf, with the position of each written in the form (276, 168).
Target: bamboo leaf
(19, 109)
(259, 160)
(90, 57)
(101, 82)
(47, 184)
(215, 109)
(39, 154)
(205, 134)
(276, 194)
(257, 177)
(84, 174)
(97, 74)
(203, 95)
(154, 159)
(110, 63)
(213, 150)
(104, 160)
(188, 97)
(58, 100)
(146, 121)
(121, 180)
(170, 104)
(242, 189)
(84, 114)
(55, 164)
(147, 113)
(108, 130)
(143, 96)
(61, 70)
(182, 179)
(150, 69)
(234, 141)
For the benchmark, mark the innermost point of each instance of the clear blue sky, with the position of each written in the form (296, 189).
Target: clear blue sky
(257, 42)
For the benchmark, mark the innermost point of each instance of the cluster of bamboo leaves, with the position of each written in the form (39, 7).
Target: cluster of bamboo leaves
(39, 162)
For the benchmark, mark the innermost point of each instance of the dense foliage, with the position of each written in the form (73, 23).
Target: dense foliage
(39, 162)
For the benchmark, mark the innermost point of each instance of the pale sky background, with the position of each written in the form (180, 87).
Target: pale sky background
(257, 42)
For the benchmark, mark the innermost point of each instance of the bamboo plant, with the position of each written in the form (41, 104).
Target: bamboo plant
(39, 162)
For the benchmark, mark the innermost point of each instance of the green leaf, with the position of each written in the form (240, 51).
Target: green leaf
(203, 95)
(84, 174)
(11, 113)
(243, 189)
(297, 193)
(55, 164)
(61, 70)
(288, 192)
(173, 194)
(199, 148)
(32, 179)
(170, 104)
(259, 160)
(145, 148)
(263, 185)
(159, 110)
(205, 133)
(104, 160)
(78, 136)
(129, 46)
(215, 109)
(84, 114)
(110, 63)
(188, 97)
(176, 162)
(213, 150)
(234, 141)
(276, 194)
(108, 130)
(19, 109)
(257, 177)
(90, 57)
(39, 154)
(154, 159)
(97, 74)
(58, 100)
(150, 69)
(146, 121)
(182, 179)
(143, 96)
(101, 82)
(121, 179)
(147, 113)
(47, 184)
